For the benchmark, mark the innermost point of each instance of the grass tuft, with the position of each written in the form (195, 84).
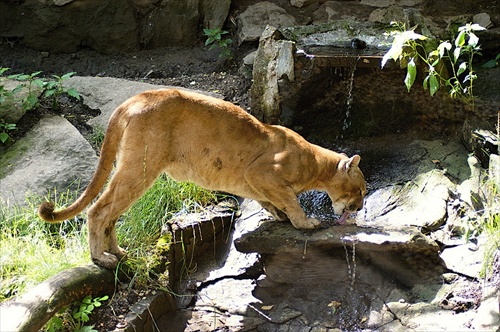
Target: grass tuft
(32, 250)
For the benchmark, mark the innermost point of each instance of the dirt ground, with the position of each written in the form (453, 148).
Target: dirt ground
(195, 67)
(192, 67)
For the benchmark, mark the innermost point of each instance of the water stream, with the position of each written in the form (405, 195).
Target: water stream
(350, 83)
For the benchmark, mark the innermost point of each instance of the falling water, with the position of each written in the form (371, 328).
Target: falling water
(347, 119)
(351, 263)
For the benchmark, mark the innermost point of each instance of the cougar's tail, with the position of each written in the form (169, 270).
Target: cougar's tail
(105, 165)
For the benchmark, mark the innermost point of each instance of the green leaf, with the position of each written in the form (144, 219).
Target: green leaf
(3, 70)
(50, 85)
(49, 93)
(4, 137)
(490, 64)
(474, 27)
(10, 126)
(31, 101)
(460, 41)
(19, 77)
(434, 84)
(66, 76)
(18, 88)
(462, 68)
(87, 329)
(444, 46)
(473, 39)
(411, 74)
(394, 53)
(84, 317)
(73, 93)
(456, 54)
(38, 82)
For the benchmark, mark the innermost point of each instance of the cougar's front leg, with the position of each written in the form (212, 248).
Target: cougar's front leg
(279, 196)
(274, 211)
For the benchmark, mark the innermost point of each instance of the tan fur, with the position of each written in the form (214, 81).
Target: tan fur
(214, 144)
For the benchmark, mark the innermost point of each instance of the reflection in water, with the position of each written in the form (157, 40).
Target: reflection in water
(330, 288)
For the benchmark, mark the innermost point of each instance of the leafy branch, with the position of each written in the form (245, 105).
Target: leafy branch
(408, 48)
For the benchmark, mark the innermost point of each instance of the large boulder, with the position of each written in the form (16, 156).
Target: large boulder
(52, 156)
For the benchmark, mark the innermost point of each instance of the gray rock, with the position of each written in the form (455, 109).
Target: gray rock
(110, 26)
(378, 3)
(107, 93)
(466, 259)
(422, 203)
(483, 20)
(273, 63)
(301, 3)
(249, 59)
(253, 21)
(52, 156)
(12, 109)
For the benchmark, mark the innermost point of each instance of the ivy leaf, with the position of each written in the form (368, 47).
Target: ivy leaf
(411, 74)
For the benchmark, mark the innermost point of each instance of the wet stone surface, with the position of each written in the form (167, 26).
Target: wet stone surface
(382, 271)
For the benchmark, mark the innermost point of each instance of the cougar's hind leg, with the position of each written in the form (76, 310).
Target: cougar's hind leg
(127, 185)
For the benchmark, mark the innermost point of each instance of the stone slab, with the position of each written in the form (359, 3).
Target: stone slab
(53, 155)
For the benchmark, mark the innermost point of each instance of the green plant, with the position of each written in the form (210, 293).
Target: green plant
(35, 87)
(492, 63)
(4, 129)
(214, 39)
(33, 84)
(408, 48)
(54, 88)
(6, 101)
(80, 315)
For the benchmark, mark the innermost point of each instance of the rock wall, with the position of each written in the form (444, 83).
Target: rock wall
(108, 26)
(120, 26)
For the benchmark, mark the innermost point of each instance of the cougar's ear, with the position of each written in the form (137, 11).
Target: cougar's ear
(354, 160)
(346, 164)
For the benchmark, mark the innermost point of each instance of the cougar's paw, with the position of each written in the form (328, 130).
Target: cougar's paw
(120, 253)
(308, 223)
(106, 260)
